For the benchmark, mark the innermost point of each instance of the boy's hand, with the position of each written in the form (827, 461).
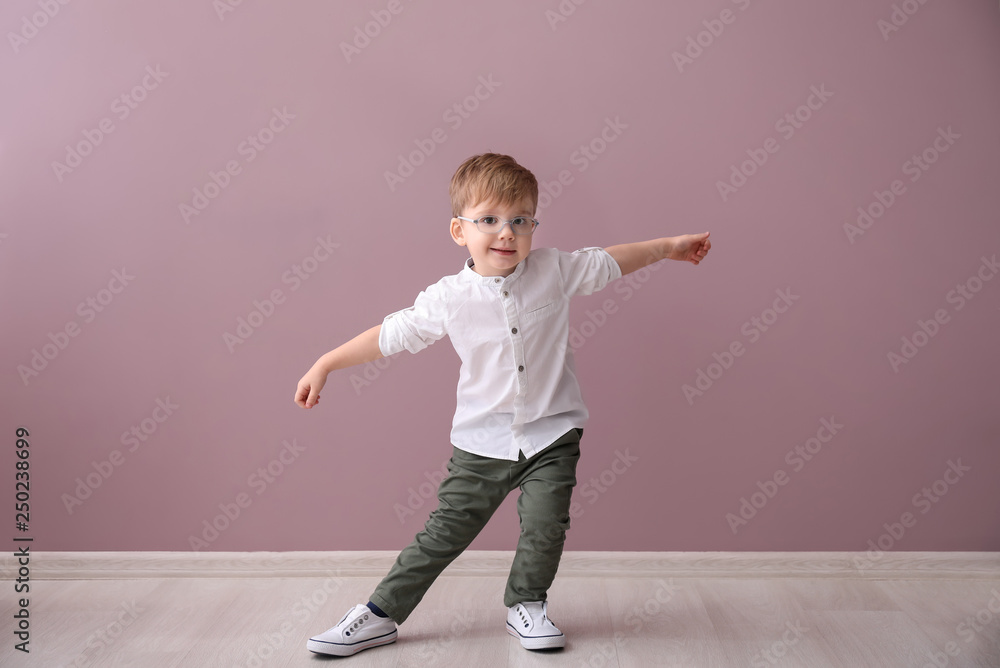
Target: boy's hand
(307, 393)
(690, 247)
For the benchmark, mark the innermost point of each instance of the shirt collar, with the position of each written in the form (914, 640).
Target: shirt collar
(470, 274)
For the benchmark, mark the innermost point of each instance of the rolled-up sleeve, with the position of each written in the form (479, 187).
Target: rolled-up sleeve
(587, 270)
(418, 326)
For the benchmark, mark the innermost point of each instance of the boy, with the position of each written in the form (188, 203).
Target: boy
(519, 415)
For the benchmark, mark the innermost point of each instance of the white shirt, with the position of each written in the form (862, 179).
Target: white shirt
(517, 386)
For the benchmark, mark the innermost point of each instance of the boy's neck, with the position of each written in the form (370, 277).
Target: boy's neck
(473, 267)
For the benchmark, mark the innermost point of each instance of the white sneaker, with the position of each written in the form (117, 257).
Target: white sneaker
(530, 622)
(359, 629)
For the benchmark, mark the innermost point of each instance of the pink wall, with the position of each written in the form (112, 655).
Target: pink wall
(318, 179)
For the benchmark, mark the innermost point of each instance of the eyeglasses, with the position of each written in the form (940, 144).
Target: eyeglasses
(494, 224)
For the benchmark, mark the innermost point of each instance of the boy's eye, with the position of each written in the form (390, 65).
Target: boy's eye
(489, 220)
(520, 220)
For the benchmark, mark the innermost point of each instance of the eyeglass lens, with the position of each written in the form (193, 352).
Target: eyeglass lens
(520, 225)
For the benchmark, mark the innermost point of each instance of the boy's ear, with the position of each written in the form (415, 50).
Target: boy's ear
(457, 233)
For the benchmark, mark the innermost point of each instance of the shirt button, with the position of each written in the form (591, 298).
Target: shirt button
(520, 368)
(514, 331)
(505, 293)
(496, 280)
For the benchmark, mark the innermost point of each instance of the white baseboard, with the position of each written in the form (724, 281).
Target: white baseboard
(859, 565)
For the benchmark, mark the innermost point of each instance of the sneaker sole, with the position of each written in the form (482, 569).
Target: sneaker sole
(543, 642)
(340, 649)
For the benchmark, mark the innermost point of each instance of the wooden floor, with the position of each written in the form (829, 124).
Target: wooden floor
(638, 618)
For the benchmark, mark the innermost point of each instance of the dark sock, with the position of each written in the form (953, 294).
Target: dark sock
(377, 610)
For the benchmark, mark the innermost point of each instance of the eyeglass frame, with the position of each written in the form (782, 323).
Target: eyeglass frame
(509, 223)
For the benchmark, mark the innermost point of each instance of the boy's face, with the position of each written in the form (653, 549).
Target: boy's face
(487, 249)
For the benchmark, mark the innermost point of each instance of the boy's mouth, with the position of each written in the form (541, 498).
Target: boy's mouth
(503, 251)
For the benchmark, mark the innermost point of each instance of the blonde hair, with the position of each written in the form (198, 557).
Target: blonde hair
(491, 177)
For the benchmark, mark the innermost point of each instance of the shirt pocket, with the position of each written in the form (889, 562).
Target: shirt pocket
(541, 308)
(540, 311)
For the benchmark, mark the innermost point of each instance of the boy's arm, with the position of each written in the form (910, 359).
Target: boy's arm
(689, 247)
(362, 348)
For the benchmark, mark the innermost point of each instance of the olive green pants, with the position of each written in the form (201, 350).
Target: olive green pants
(467, 499)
